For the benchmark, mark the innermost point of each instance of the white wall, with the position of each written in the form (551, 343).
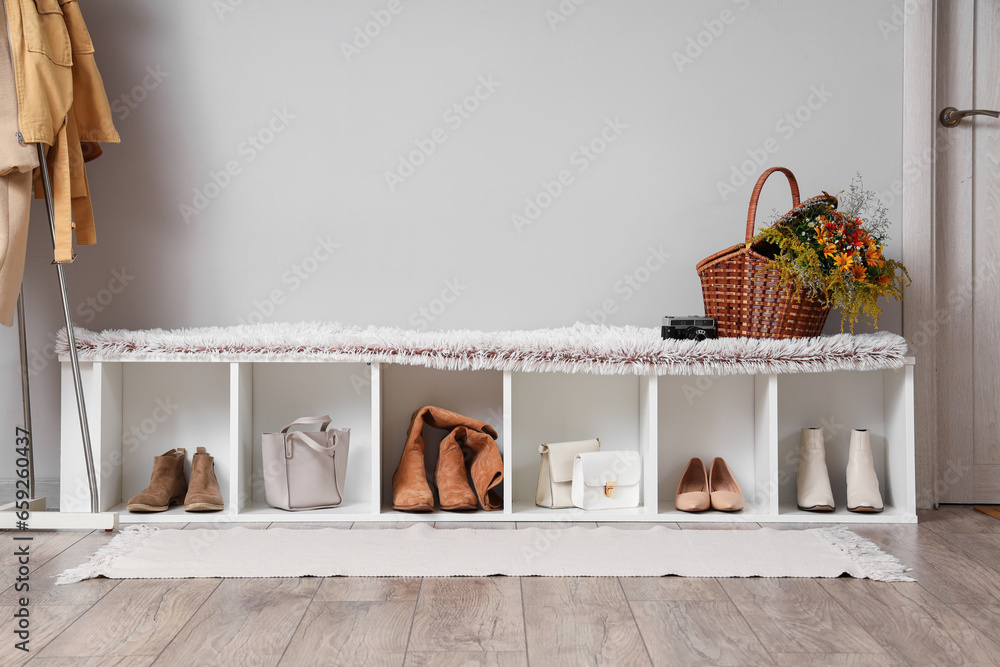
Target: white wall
(193, 81)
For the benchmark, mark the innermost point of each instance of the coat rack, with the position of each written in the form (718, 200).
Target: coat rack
(95, 519)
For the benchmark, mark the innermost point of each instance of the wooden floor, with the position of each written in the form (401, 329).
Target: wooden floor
(950, 617)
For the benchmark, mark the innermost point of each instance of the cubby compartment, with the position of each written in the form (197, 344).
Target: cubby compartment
(709, 416)
(405, 389)
(143, 410)
(837, 403)
(558, 407)
(268, 396)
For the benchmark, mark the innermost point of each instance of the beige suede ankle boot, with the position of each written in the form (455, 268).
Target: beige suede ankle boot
(167, 485)
(203, 494)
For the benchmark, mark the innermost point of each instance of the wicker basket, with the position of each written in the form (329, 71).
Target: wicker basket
(746, 297)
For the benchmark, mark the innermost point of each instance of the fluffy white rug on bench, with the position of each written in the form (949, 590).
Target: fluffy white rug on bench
(143, 552)
(583, 348)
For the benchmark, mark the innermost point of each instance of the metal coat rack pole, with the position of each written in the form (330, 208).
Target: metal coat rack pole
(25, 392)
(56, 520)
(88, 453)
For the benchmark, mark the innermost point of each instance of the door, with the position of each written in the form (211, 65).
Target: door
(966, 326)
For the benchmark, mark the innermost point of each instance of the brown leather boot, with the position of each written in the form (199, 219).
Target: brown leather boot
(203, 494)
(410, 490)
(451, 477)
(167, 485)
(485, 464)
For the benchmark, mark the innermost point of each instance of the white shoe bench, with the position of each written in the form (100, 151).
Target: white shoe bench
(150, 391)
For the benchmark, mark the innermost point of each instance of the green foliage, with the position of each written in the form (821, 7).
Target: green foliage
(837, 256)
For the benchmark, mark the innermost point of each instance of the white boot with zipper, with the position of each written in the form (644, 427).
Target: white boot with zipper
(813, 492)
(862, 482)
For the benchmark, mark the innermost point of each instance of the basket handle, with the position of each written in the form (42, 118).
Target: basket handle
(752, 214)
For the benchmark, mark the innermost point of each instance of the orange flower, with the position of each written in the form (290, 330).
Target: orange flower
(830, 250)
(858, 271)
(874, 257)
(821, 237)
(884, 279)
(844, 261)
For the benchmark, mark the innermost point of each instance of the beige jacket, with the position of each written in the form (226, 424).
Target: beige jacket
(17, 161)
(60, 102)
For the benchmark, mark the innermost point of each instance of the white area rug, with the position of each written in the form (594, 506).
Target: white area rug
(143, 552)
(583, 348)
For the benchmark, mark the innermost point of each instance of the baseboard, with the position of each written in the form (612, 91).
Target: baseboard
(44, 488)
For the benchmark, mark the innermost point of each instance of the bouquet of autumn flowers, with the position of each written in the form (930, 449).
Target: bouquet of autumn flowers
(834, 250)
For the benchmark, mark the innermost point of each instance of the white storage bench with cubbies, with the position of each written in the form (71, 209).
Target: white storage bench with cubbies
(744, 400)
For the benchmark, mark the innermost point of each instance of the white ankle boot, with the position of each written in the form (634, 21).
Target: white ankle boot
(862, 482)
(813, 487)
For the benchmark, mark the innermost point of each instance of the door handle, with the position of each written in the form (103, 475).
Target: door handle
(950, 116)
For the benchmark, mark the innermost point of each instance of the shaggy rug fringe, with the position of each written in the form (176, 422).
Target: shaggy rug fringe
(583, 348)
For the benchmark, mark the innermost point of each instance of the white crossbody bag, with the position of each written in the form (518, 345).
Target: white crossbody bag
(606, 480)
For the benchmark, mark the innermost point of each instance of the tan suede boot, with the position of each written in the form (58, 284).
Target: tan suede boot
(167, 485)
(203, 494)
(451, 478)
(485, 464)
(410, 490)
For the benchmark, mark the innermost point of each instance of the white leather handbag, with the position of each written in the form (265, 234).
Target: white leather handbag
(606, 480)
(555, 477)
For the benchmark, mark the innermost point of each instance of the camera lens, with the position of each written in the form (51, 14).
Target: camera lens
(699, 334)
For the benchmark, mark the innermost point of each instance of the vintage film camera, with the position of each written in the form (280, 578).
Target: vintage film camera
(690, 327)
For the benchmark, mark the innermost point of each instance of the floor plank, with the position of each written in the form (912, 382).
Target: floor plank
(984, 547)
(310, 525)
(792, 526)
(847, 659)
(44, 590)
(698, 633)
(368, 589)
(139, 617)
(579, 621)
(484, 659)
(225, 525)
(462, 614)
(244, 621)
(679, 589)
(43, 546)
(46, 623)
(941, 567)
(984, 617)
(911, 624)
(125, 661)
(797, 616)
(950, 520)
(719, 525)
(351, 633)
